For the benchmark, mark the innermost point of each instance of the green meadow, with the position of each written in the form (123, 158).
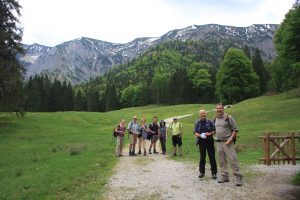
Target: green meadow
(70, 155)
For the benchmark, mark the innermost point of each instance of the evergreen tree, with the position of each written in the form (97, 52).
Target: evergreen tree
(111, 100)
(79, 104)
(180, 87)
(247, 51)
(11, 92)
(93, 100)
(70, 97)
(56, 97)
(259, 68)
(236, 79)
(287, 44)
(45, 92)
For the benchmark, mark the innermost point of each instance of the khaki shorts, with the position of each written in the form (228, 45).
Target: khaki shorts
(132, 138)
(154, 138)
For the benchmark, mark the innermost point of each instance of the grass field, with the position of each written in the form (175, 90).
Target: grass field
(69, 155)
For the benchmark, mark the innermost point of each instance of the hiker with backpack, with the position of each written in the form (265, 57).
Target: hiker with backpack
(154, 131)
(204, 130)
(226, 132)
(163, 131)
(144, 130)
(176, 131)
(120, 132)
(133, 131)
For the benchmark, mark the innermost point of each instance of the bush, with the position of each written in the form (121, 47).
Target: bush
(296, 179)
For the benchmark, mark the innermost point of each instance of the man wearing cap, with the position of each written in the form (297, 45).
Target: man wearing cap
(176, 130)
(133, 130)
(204, 130)
(226, 130)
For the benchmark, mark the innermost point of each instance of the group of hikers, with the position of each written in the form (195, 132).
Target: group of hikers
(142, 132)
(224, 127)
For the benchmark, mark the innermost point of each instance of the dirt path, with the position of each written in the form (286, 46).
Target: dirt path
(157, 177)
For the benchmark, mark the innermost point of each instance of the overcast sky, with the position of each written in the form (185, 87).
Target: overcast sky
(51, 22)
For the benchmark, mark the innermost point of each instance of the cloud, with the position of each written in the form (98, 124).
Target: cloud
(51, 22)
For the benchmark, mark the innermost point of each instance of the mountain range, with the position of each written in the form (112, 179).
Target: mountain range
(85, 58)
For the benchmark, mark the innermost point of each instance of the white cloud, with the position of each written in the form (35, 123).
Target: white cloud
(51, 22)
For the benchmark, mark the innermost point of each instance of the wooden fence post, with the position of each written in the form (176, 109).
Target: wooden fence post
(268, 149)
(293, 149)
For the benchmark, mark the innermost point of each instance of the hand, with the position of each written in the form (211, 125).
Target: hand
(229, 141)
(207, 134)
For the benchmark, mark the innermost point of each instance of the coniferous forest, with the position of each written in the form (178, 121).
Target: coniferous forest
(175, 72)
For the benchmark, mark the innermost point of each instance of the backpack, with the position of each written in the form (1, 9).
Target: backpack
(115, 133)
(227, 119)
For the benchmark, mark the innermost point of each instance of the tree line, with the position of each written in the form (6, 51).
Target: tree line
(175, 72)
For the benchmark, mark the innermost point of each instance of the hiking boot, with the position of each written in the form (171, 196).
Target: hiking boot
(214, 176)
(180, 154)
(140, 152)
(144, 153)
(155, 152)
(201, 175)
(133, 154)
(174, 154)
(150, 152)
(223, 179)
(130, 153)
(239, 181)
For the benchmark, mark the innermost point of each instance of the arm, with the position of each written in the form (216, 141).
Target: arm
(196, 130)
(166, 132)
(230, 140)
(212, 131)
(234, 129)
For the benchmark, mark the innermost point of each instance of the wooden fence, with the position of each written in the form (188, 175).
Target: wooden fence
(279, 148)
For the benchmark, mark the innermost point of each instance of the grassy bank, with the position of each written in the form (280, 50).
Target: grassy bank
(69, 155)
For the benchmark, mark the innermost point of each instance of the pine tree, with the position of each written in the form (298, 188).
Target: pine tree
(259, 68)
(11, 82)
(247, 51)
(111, 100)
(78, 105)
(70, 97)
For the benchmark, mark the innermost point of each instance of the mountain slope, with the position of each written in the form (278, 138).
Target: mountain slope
(83, 59)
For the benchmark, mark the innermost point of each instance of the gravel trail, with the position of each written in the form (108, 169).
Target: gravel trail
(157, 177)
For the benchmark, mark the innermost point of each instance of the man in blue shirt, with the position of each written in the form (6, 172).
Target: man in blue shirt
(204, 130)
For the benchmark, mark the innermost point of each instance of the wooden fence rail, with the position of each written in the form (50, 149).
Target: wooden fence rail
(279, 148)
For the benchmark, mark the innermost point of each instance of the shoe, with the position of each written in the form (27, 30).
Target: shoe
(201, 175)
(223, 180)
(150, 152)
(239, 181)
(180, 154)
(155, 152)
(144, 153)
(174, 154)
(130, 154)
(214, 176)
(139, 152)
(134, 154)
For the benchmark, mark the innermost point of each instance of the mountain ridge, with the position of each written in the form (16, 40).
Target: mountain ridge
(85, 58)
